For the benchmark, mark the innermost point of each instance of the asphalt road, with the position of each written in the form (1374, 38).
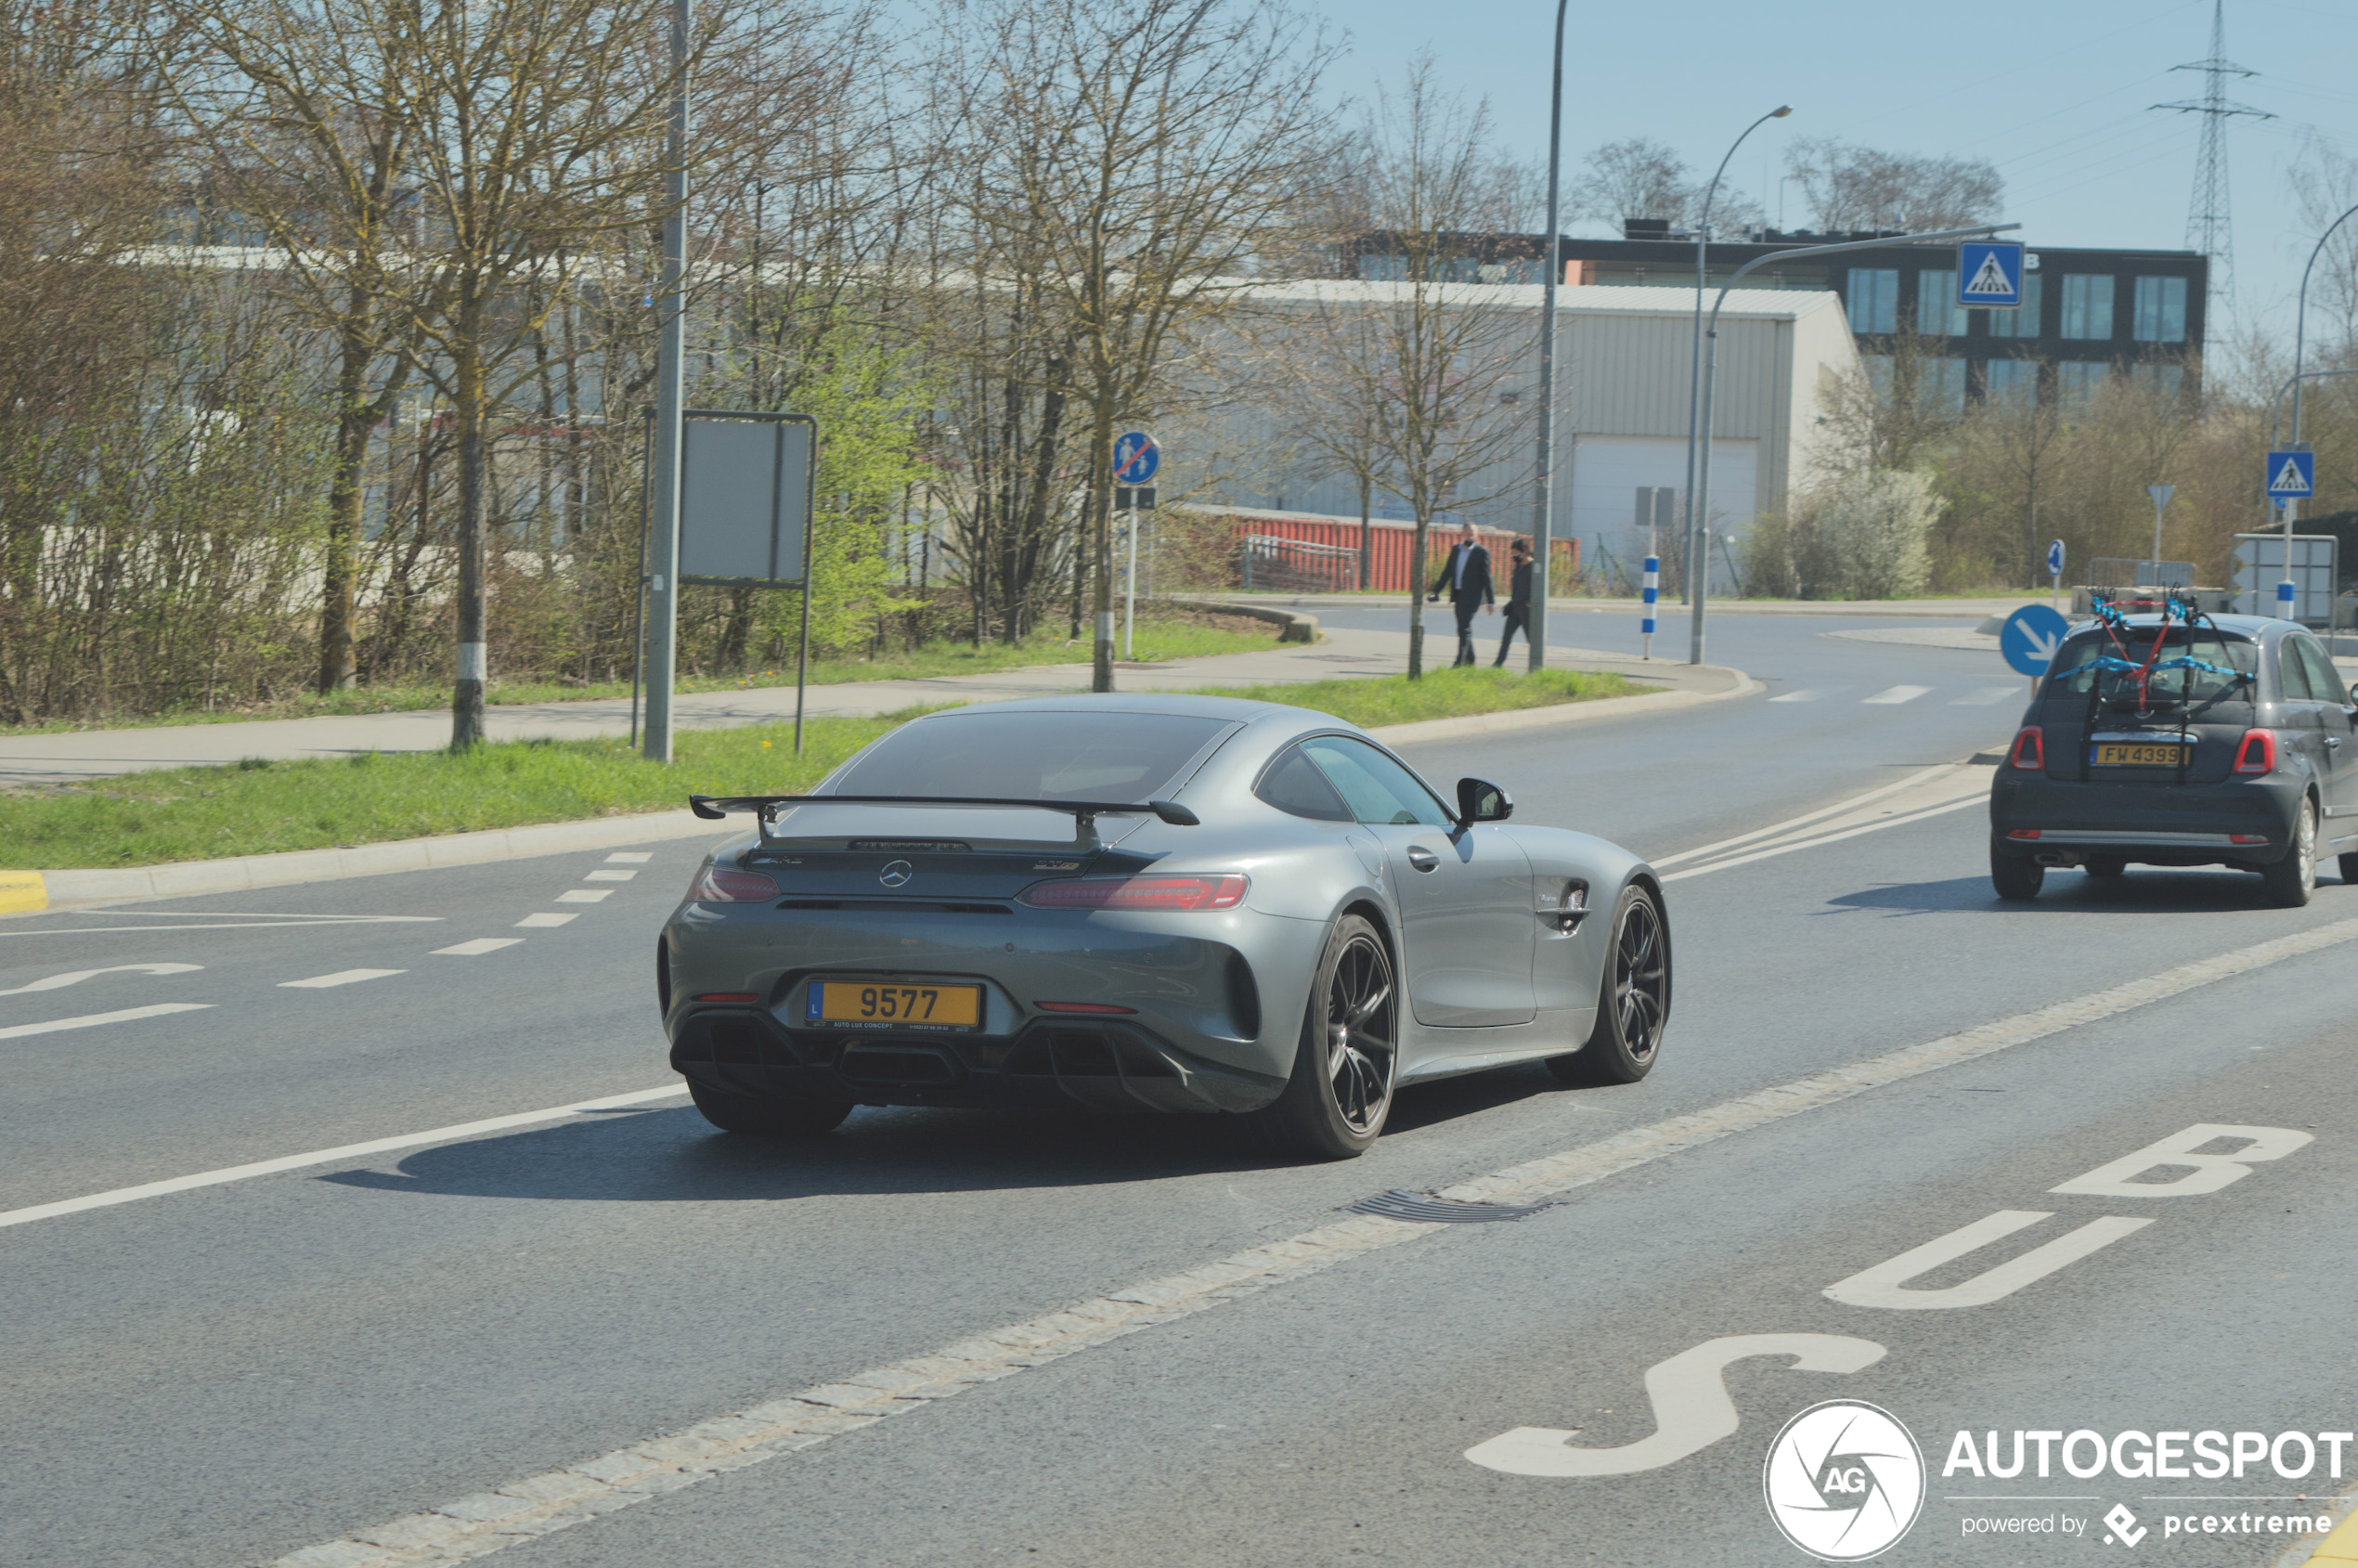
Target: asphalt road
(240, 1370)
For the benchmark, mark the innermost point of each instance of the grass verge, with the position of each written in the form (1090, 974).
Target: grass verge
(258, 808)
(1173, 637)
(1442, 694)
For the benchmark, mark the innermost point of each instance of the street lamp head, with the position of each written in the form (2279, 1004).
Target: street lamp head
(1781, 111)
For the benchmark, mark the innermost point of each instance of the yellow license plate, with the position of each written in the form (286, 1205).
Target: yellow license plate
(2138, 753)
(894, 1005)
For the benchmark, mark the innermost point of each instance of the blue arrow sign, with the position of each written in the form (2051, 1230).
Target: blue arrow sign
(1989, 274)
(1136, 458)
(2055, 560)
(2292, 475)
(2030, 637)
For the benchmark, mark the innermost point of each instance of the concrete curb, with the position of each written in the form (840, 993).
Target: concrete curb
(1299, 627)
(30, 892)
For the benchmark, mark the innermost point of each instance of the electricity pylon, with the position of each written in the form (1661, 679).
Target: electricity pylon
(2209, 228)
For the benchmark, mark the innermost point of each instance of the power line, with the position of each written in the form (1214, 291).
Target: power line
(2209, 228)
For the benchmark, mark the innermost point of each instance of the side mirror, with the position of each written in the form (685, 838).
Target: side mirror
(1482, 801)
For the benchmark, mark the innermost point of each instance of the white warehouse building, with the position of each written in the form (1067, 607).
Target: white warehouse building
(1622, 362)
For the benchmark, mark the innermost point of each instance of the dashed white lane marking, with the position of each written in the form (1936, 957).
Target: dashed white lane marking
(585, 895)
(75, 976)
(92, 1020)
(328, 1155)
(1896, 694)
(1807, 694)
(1988, 695)
(630, 857)
(341, 977)
(541, 922)
(199, 922)
(478, 947)
(603, 875)
(522, 1510)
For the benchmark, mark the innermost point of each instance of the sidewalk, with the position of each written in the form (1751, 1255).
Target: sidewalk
(93, 754)
(1670, 612)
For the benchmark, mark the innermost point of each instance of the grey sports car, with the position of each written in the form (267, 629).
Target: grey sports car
(1149, 902)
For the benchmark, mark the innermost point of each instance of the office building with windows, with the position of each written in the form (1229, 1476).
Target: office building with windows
(2086, 314)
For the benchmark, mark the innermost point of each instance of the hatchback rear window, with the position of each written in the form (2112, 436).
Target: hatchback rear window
(2077, 666)
(1034, 755)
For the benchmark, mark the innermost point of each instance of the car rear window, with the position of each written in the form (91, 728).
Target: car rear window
(1034, 756)
(2075, 669)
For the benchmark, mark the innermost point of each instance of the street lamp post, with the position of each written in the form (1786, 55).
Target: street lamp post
(1534, 629)
(1711, 367)
(2291, 507)
(1694, 376)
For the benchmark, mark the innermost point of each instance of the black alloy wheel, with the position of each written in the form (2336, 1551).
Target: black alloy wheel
(760, 1116)
(1335, 1103)
(1633, 1002)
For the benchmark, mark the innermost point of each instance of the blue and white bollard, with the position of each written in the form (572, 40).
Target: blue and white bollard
(1653, 588)
(2284, 601)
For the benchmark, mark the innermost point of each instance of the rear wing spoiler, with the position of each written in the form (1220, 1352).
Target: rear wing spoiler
(713, 808)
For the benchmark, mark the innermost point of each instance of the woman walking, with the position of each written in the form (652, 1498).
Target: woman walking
(1518, 601)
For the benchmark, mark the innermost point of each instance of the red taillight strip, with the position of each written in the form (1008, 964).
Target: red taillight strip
(2031, 748)
(729, 996)
(1214, 891)
(1081, 1007)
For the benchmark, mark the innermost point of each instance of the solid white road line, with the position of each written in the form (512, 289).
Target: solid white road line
(92, 1020)
(74, 977)
(608, 876)
(630, 857)
(585, 895)
(327, 1156)
(478, 947)
(1774, 850)
(341, 977)
(209, 926)
(527, 1509)
(1991, 694)
(1923, 777)
(541, 921)
(1896, 694)
(1807, 694)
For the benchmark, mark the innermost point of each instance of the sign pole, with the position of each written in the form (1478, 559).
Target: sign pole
(663, 581)
(1130, 583)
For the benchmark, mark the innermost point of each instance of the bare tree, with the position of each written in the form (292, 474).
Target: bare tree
(2324, 186)
(1140, 154)
(1858, 187)
(1429, 364)
(1635, 177)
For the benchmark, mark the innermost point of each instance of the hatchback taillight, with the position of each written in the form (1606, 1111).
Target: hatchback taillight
(1222, 890)
(2258, 753)
(720, 884)
(2031, 748)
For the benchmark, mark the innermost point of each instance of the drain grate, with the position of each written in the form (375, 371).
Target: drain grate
(1427, 1210)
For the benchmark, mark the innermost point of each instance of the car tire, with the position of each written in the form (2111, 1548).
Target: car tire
(2290, 880)
(1633, 997)
(1340, 1093)
(2017, 877)
(2348, 865)
(762, 1117)
(2103, 865)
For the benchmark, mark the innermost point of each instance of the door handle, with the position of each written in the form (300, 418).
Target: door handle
(1422, 858)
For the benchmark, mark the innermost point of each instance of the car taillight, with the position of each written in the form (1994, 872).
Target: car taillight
(1224, 890)
(2258, 753)
(2031, 748)
(2023, 833)
(719, 884)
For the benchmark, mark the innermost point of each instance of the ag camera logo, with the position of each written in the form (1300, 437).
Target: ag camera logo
(1844, 1480)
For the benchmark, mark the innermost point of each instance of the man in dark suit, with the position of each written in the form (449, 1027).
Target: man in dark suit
(1467, 577)
(1518, 598)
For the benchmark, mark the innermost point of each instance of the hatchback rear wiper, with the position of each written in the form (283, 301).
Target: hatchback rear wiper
(1084, 813)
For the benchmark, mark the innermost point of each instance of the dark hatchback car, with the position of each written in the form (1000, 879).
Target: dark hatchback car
(2239, 748)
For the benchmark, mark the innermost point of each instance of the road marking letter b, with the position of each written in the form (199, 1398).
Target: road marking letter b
(2203, 1172)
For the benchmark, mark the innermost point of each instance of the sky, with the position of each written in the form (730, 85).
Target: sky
(2055, 95)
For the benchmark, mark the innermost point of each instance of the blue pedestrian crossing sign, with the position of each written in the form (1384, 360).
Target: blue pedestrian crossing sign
(1988, 275)
(2292, 476)
(1136, 458)
(2030, 637)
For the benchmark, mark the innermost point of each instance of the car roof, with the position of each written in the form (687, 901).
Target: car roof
(2253, 626)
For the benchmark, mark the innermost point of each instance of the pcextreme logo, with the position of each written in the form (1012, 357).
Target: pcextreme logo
(1844, 1480)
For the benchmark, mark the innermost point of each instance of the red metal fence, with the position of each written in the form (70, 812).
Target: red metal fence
(1292, 553)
